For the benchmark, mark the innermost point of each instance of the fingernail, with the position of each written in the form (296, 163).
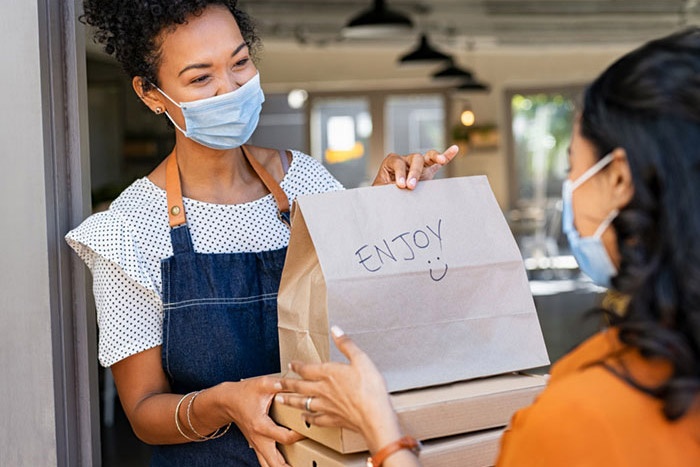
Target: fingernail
(337, 332)
(289, 366)
(279, 399)
(401, 181)
(278, 386)
(412, 182)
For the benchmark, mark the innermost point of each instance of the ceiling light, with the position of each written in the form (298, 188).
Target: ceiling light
(297, 98)
(473, 85)
(424, 54)
(467, 117)
(451, 71)
(377, 21)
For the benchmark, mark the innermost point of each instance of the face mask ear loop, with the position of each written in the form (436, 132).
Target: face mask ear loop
(166, 112)
(173, 122)
(594, 169)
(606, 223)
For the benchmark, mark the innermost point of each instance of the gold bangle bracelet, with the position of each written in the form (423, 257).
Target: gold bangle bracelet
(177, 418)
(202, 437)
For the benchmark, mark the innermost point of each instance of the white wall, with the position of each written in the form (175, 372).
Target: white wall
(48, 377)
(341, 68)
(28, 433)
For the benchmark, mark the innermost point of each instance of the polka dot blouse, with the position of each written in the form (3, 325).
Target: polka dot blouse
(123, 247)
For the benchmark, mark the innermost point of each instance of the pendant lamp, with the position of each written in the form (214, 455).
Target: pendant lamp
(424, 54)
(473, 85)
(378, 21)
(451, 72)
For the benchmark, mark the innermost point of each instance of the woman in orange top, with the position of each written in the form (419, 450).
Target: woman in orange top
(630, 395)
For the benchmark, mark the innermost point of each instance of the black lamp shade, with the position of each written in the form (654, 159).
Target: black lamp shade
(451, 72)
(424, 54)
(376, 22)
(473, 85)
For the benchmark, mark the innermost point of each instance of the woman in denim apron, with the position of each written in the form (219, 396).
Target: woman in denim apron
(200, 394)
(220, 320)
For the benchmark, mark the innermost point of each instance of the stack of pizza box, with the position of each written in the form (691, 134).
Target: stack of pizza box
(458, 424)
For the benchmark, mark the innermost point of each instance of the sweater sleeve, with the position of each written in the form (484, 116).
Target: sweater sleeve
(561, 428)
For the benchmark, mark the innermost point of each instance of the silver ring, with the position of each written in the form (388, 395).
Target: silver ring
(308, 403)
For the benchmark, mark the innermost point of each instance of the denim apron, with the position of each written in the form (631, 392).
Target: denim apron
(219, 323)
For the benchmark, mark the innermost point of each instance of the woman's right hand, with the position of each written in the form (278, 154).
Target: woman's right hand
(353, 396)
(248, 403)
(406, 171)
(349, 395)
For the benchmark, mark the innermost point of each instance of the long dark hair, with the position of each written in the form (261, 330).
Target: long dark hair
(648, 103)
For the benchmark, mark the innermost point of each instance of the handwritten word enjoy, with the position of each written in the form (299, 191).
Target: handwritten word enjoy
(402, 247)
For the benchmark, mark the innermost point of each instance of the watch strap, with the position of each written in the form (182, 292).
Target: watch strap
(407, 442)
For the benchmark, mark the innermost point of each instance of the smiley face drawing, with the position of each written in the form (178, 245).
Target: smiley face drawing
(441, 271)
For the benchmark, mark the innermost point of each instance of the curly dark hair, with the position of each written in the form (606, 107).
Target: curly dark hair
(648, 103)
(129, 29)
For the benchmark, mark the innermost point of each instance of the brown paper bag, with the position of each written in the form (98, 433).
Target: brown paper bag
(430, 283)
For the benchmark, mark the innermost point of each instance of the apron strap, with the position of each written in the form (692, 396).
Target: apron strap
(269, 182)
(173, 189)
(179, 233)
(273, 187)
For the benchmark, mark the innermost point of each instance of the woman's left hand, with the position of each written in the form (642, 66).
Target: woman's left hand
(406, 171)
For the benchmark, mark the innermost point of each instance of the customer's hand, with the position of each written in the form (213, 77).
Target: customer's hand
(249, 405)
(352, 396)
(406, 171)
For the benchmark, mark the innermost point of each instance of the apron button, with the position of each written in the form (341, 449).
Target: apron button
(175, 210)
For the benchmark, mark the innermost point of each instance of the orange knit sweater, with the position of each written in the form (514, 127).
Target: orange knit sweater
(589, 417)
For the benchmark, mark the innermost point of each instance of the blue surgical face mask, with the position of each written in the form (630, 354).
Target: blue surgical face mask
(590, 253)
(226, 121)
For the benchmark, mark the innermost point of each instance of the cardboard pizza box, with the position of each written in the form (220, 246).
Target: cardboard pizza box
(471, 450)
(435, 412)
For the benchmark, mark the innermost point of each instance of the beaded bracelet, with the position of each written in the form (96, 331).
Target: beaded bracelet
(216, 434)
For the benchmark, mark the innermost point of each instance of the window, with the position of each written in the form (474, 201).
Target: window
(351, 134)
(414, 123)
(340, 133)
(541, 126)
(541, 132)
